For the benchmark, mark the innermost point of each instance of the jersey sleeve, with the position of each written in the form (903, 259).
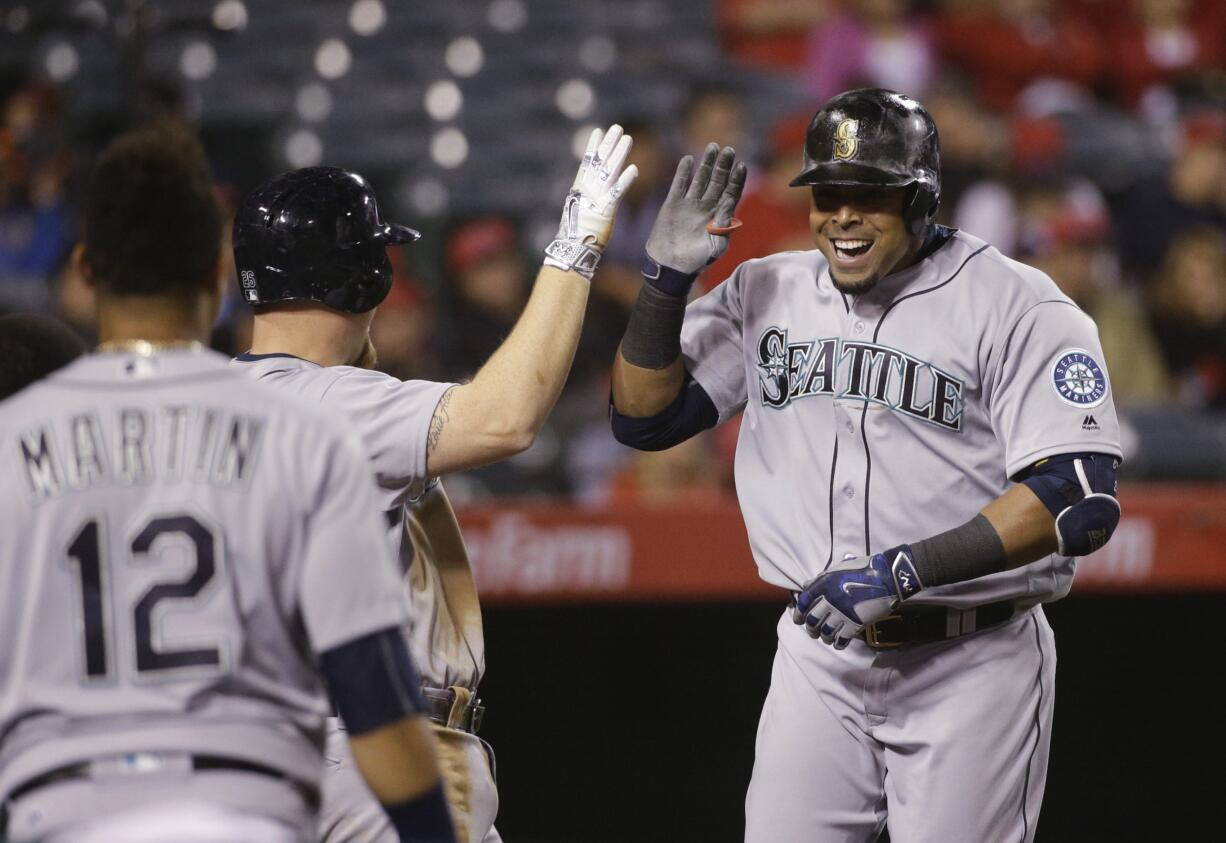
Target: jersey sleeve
(1050, 390)
(349, 580)
(712, 346)
(392, 419)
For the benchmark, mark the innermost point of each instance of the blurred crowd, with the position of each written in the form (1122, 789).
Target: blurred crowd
(1085, 137)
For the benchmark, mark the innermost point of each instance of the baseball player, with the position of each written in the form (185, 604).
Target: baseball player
(310, 249)
(928, 442)
(33, 346)
(186, 554)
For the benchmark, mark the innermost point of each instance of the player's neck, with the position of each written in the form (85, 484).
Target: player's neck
(313, 333)
(155, 319)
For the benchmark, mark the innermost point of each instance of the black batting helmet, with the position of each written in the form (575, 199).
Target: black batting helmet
(315, 234)
(877, 138)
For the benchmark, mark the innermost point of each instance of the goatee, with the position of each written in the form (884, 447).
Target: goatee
(855, 288)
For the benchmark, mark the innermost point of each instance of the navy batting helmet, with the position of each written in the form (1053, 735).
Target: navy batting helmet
(315, 234)
(878, 138)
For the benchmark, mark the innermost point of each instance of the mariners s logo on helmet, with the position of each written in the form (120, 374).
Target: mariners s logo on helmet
(846, 139)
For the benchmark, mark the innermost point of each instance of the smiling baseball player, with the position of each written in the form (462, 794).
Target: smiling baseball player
(187, 557)
(928, 440)
(310, 248)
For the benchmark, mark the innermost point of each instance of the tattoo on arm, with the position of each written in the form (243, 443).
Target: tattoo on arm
(440, 419)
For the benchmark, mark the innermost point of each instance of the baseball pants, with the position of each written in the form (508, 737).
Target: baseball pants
(351, 814)
(944, 742)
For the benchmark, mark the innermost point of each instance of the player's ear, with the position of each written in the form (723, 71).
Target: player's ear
(81, 266)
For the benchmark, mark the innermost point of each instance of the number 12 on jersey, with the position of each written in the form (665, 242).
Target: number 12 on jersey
(87, 553)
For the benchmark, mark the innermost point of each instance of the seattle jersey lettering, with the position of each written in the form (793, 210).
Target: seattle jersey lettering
(135, 445)
(864, 370)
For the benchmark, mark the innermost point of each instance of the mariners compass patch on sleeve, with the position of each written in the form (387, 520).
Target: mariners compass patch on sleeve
(1078, 378)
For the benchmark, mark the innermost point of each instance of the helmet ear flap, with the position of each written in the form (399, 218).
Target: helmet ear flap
(920, 208)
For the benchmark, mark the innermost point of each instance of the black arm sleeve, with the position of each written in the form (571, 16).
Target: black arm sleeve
(653, 334)
(963, 553)
(372, 680)
(691, 412)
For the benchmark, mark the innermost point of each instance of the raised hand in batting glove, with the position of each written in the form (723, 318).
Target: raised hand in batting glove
(591, 203)
(697, 201)
(853, 593)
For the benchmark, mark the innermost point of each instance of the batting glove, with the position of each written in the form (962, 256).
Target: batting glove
(839, 603)
(682, 238)
(591, 203)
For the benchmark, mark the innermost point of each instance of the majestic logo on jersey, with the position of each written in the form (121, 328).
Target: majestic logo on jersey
(1078, 378)
(857, 370)
(846, 139)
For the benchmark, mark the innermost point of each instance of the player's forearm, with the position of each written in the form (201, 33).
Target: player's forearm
(1026, 529)
(518, 386)
(1013, 530)
(500, 412)
(376, 689)
(640, 392)
(399, 764)
(397, 760)
(648, 371)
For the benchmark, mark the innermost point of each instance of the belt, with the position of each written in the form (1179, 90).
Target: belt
(84, 770)
(925, 624)
(441, 702)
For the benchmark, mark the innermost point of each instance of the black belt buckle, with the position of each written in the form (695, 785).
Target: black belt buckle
(872, 634)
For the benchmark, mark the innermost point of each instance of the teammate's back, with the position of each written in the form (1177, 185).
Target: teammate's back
(178, 529)
(186, 559)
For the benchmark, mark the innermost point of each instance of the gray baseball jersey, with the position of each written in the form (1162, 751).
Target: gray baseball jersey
(392, 419)
(180, 542)
(891, 416)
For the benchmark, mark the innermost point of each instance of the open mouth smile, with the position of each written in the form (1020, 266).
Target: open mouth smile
(851, 251)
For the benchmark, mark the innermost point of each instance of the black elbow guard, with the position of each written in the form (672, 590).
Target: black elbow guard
(691, 412)
(1079, 490)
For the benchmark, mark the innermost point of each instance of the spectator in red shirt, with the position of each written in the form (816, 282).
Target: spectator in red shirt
(775, 217)
(769, 34)
(1014, 43)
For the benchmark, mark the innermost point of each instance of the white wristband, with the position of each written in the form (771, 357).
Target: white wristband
(573, 256)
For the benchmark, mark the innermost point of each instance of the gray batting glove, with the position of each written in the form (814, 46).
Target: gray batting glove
(680, 239)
